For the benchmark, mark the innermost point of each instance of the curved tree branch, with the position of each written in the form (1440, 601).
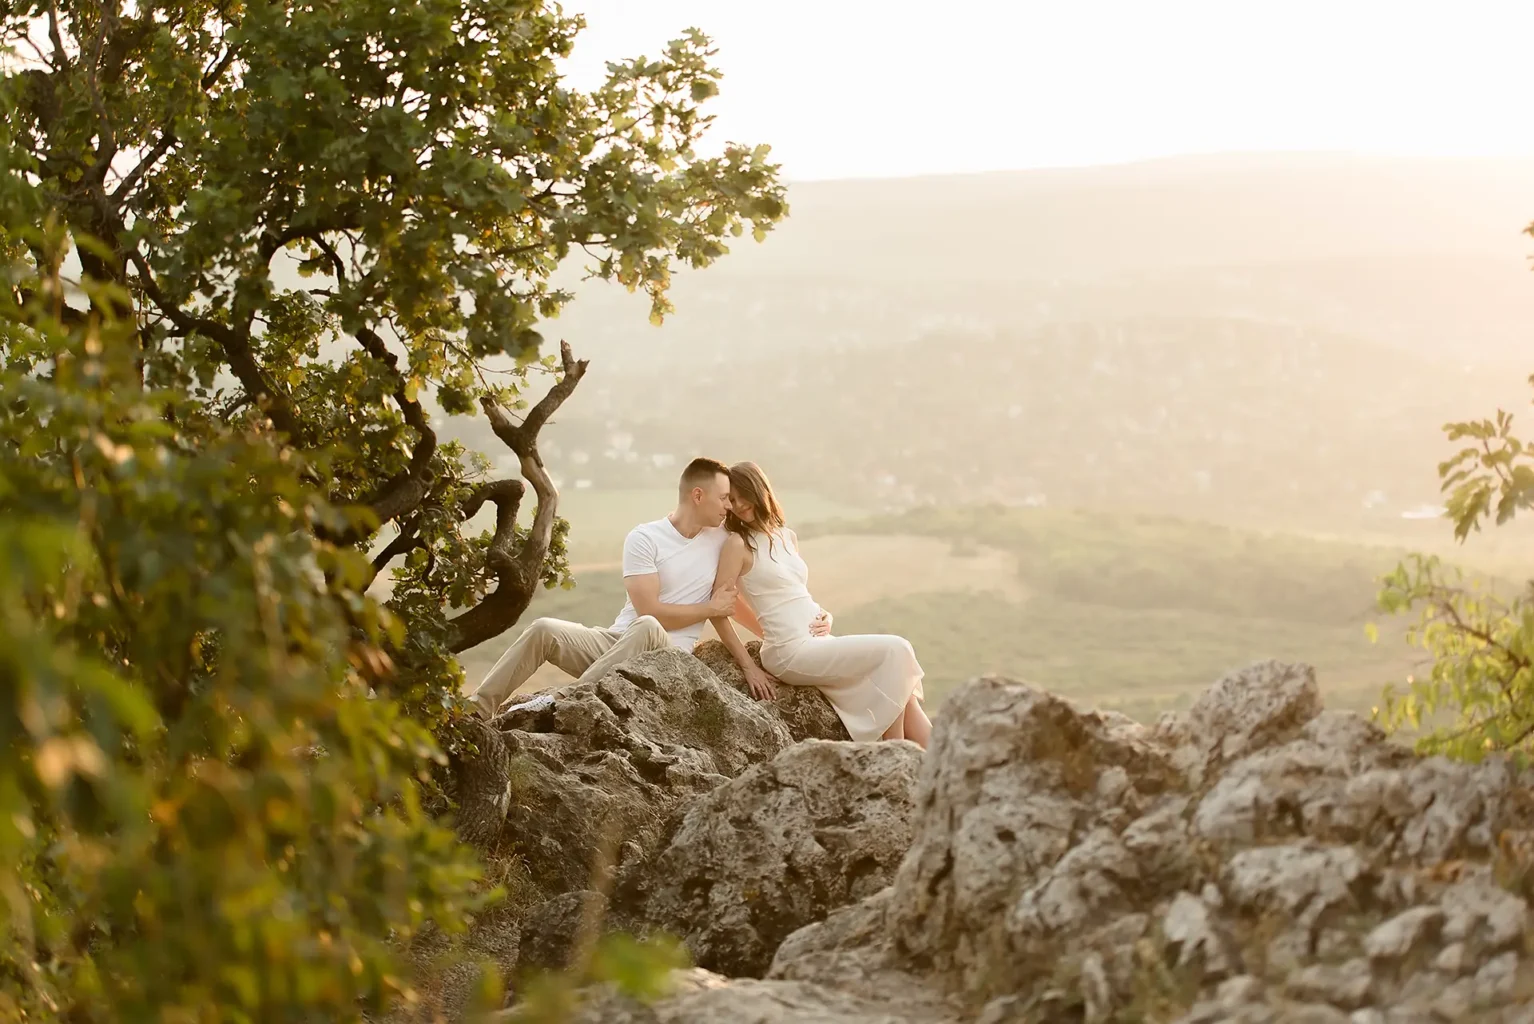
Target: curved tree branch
(407, 541)
(517, 573)
(403, 493)
(146, 162)
(502, 607)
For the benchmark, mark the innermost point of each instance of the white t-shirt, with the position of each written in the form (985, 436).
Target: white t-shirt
(686, 567)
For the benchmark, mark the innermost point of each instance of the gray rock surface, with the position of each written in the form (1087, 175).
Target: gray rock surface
(552, 932)
(700, 997)
(1256, 859)
(593, 775)
(821, 825)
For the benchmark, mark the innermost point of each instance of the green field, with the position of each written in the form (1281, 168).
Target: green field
(1142, 612)
(1134, 612)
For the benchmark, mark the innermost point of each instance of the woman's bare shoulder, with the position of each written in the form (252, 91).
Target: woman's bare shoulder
(736, 547)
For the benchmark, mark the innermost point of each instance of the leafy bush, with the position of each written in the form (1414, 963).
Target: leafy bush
(200, 805)
(1478, 696)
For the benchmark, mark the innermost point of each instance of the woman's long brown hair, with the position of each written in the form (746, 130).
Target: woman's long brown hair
(749, 484)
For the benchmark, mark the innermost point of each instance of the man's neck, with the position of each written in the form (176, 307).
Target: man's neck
(684, 523)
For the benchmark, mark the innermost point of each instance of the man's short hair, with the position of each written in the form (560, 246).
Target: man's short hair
(699, 472)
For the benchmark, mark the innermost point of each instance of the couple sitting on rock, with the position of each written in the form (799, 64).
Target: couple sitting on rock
(726, 553)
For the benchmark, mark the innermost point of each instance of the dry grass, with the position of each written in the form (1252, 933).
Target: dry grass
(848, 571)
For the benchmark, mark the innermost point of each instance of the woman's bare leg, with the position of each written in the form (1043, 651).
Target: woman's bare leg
(896, 731)
(917, 727)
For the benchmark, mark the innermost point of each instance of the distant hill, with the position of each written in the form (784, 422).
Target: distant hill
(1267, 340)
(1417, 253)
(1216, 418)
(1160, 215)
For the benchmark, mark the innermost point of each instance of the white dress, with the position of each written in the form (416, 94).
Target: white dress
(868, 679)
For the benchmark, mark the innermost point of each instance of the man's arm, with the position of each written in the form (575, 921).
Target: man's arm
(644, 592)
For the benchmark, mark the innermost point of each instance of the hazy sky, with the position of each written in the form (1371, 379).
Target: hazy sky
(853, 88)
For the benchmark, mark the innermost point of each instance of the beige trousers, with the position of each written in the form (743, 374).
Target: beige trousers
(585, 652)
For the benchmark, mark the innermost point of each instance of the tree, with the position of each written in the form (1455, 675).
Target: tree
(246, 247)
(428, 170)
(200, 806)
(1481, 643)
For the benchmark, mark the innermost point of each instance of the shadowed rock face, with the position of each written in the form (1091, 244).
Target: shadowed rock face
(592, 774)
(1255, 859)
(820, 826)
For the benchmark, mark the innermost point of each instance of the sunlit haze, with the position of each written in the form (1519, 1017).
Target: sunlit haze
(584, 511)
(847, 88)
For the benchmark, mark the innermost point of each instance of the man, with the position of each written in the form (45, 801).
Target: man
(668, 571)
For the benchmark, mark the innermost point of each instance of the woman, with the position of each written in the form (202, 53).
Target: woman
(873, 682)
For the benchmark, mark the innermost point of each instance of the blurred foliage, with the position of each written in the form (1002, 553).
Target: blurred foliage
(1478, 696)
(613, 963)
(203, 814)
(245, 248)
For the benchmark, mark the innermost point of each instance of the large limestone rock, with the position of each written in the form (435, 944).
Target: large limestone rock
(552, 932)
(1020, 811)
(1256, 859)
(803, 709)
(577, 780)
(1257, 707)
(820, 826)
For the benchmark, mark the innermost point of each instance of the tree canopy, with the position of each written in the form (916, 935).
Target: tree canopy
(249, 250)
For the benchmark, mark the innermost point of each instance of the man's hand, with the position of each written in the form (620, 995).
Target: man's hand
(723, 601)
(763, 686)
(821, 625)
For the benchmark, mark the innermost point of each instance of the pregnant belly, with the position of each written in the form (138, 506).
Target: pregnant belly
(788, 622)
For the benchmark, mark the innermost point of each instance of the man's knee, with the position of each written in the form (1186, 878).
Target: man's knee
(540, 631)
(653, 633)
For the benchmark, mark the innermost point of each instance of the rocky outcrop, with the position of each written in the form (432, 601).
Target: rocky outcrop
(576, 781)
(1257, 859)
(820, 826)
(803, 709)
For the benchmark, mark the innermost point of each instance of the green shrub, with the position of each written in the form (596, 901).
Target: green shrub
(1478, 695)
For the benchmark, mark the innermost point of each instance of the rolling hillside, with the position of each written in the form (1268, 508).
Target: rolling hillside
(1231, 420)
(1131, 611)
(1420, 254)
